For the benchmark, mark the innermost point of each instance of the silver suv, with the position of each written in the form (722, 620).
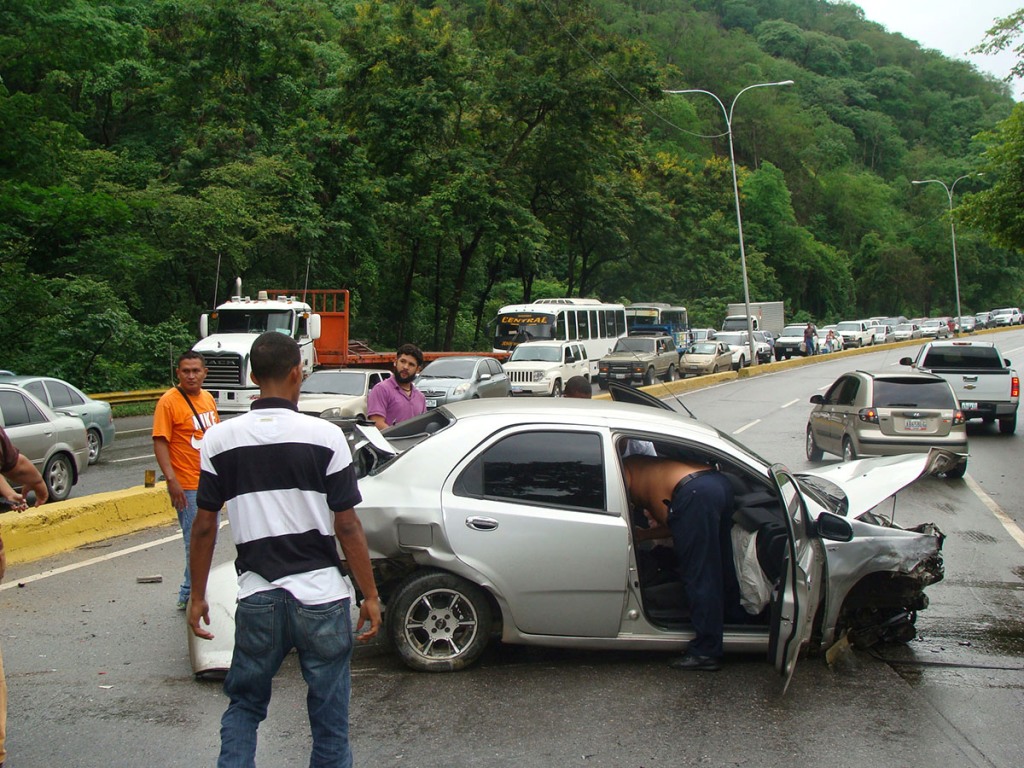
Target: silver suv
(886, 414)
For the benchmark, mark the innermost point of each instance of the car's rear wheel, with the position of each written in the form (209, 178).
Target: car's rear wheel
(814, 453)
(59, 476)
(672, 374)
(438, 622)
(849, 452)
(95, 445)
(1008, 426)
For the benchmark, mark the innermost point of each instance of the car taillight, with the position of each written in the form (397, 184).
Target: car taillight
(958, 417)
(1014, 387)
(868, 414)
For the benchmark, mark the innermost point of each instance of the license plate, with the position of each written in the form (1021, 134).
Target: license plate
(915, 425)
(431, 403)
(621, 375)
(693, 367)
(967, 406)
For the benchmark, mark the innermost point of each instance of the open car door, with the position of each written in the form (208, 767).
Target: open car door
(797, 591)
(622, 393)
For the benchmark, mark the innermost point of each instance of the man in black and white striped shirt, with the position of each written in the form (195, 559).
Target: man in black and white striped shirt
(290, 489)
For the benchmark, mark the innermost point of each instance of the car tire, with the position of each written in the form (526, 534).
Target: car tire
(649, 377)
(95, 445)
(849, 452)
(814, 453)
(556, 389)
(59, 476)
(957, 472)
(672, 374)
(1008, 426)
(438, 622)
(602, 384)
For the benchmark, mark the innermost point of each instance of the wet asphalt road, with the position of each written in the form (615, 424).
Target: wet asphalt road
(98, 671)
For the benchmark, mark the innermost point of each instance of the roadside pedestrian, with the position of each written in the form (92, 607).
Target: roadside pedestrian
(692, 503)
(290, 489)
(810, 339)
(397, 399)
(182, 416)
(17, 468)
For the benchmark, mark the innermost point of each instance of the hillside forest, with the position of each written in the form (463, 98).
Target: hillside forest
(441, 159)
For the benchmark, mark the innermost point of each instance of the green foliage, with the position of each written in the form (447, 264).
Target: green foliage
(440, 160)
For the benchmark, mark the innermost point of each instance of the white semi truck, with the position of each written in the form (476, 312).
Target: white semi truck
(766, 316)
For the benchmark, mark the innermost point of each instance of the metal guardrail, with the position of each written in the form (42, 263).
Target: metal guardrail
(140, 396)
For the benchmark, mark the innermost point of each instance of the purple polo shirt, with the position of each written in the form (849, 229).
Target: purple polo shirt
(388, 400)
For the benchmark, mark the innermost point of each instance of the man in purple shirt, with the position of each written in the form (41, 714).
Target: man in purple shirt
(396, 399)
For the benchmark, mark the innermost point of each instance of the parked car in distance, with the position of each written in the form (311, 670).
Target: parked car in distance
(966, 323)
(55, 443)
(855, 333)
(339, 393)
(639, 360)
(887, 414)
(907, 331)
(701, 334)
(1006, 316)
(791, 342)
(498, 518)
(983, 319)
(882, 334)
(542, 367)
(705, 357)
(739, 345)
(936, 328)
(68, 399)
(468, 377)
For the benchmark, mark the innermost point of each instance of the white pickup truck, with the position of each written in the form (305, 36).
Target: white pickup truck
(984, 383)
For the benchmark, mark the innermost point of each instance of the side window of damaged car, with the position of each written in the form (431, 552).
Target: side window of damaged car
(552, 468)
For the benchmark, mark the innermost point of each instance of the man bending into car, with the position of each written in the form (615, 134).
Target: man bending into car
(692, 503)
(290, 488)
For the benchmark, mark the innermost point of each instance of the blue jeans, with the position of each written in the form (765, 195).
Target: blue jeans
(699, 518)
(267, 626)
(186, 517)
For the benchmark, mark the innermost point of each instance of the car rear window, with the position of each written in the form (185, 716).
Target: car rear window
(910, 393)
(963, 357)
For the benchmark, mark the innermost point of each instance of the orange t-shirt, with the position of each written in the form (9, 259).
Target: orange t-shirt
(174, 421)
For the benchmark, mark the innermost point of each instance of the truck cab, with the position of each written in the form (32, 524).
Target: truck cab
(227, 335)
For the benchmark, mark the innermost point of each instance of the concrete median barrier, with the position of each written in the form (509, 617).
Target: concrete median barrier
(64, 525)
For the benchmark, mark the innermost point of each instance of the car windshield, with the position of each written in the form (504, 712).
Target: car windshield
(904, 327)
(849, 326)
(734, 339)
(793, 330)
(634, 345)
(335, 383)
(913, 393)
(449, 369)
(707, 348)
(524, 353)
(933, 323)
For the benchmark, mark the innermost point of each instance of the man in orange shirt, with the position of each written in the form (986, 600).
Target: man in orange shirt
(182, 416)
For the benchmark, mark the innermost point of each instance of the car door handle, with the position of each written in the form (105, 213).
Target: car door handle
(481, 523)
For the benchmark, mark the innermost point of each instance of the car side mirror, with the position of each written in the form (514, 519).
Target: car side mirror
(833, 527)
(906, 361)
(817, 399)
(485, 377)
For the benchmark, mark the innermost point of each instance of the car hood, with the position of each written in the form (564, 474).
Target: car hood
(868, 482)
(440, 382)
(321, 402)
(699, 357)
(240, 343)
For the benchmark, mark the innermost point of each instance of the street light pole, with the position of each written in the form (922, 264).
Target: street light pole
(727, 114)
(952, 233)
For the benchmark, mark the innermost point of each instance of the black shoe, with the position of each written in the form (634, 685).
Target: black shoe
(689, 662)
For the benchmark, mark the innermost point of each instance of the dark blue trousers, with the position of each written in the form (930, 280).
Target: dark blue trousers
(699, 517)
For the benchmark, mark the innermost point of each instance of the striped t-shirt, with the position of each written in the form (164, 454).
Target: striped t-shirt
(282, 475)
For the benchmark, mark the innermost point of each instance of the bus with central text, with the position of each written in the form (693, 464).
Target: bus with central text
(594, 324)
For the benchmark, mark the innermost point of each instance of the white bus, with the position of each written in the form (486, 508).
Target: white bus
(592, 323)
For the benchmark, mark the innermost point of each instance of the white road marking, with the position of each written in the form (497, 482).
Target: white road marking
(745, 427)
(132, 458)
(1011, 527)
(791, 402)
(94, 560)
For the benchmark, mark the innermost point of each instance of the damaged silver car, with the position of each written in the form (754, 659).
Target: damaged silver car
(510, 519)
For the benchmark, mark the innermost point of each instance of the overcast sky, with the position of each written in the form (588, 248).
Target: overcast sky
(950, 26)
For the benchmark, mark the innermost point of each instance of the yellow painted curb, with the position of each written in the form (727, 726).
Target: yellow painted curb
(63, 525)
